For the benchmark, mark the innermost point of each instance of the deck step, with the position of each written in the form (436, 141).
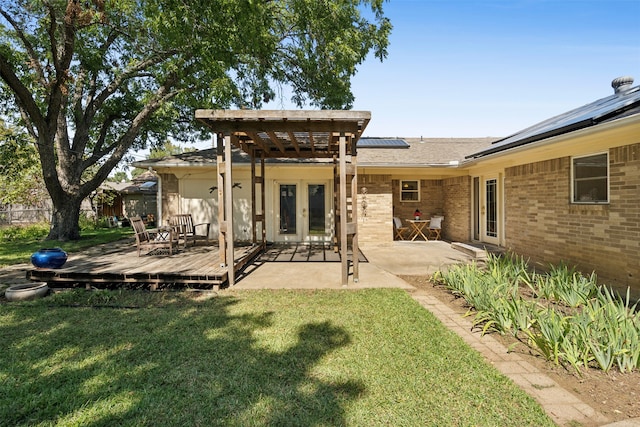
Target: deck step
(472, 251)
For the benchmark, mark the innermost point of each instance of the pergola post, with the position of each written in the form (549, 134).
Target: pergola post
(228, 211)
(221, 223)
(348, 192)
(255, 217)
(354, 214)
(343, 208)
(263, 200)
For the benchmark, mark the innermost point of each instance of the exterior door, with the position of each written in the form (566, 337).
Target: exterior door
(490, 211)
(486, 221)
(303, 212)
(316, 214)
(287, 226)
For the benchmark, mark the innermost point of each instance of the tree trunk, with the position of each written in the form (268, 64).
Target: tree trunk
(64, 222)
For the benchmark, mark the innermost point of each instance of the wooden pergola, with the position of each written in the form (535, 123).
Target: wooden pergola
(297, 134)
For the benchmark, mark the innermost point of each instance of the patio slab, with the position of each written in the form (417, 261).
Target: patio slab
(383, 264)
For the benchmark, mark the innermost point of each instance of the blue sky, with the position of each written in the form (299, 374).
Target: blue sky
(475, 68)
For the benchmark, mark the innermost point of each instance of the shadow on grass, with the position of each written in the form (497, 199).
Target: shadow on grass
(180, 362)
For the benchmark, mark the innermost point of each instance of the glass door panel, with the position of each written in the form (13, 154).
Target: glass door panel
(316, 208)
(491, 218)
(288, 217)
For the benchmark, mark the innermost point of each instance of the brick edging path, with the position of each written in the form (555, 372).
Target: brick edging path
(563, 407)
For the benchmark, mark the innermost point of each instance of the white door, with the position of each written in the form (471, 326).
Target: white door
(316, 217)
(490, 211)
(302, 211)
(288, 210)
(487, 211)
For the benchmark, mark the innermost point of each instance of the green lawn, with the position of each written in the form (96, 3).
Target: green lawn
(17, 244)
(254, 358)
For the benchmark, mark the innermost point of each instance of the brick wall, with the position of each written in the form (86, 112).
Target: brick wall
(544, 226)
(431, 200)
(457, 209)
(374, 209)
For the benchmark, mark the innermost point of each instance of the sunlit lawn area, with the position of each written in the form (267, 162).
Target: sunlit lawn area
(359, 358)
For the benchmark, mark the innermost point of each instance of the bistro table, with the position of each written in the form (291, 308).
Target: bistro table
(417, 227)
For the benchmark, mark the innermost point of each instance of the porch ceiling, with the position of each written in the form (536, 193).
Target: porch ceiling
(289, 133)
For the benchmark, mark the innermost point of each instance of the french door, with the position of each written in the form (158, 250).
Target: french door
(303, 212)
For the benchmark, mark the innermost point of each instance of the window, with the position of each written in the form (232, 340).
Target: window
(409, 191)
(590, 179)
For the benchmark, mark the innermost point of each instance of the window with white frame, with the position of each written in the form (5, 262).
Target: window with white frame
(410, 191)
(590, 175)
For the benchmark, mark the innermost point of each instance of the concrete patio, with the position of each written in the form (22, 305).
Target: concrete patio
(383, 264)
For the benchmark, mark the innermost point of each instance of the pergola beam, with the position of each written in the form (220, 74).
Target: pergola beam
(294, 141)
(276, 140)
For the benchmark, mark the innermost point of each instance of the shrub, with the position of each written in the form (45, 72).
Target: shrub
(17, 233)
(570, 320)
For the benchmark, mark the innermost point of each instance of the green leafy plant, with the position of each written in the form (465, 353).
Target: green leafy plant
(570, 320)
(17, 233)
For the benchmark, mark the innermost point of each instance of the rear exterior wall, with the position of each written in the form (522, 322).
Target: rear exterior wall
(543, 225)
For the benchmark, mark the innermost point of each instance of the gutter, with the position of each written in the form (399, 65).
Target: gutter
(413, 165)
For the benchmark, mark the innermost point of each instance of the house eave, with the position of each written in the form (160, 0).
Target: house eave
(602, 127)
(411, 166)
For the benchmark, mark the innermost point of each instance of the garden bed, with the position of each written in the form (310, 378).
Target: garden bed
(614, 394)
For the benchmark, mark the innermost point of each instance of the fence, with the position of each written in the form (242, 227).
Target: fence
(9, 216)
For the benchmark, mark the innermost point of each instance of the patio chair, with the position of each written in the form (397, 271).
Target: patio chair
(188, 230)
(399, 229)
(435, 227)
(151, 239)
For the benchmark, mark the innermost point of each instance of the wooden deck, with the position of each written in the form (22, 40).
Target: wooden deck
(118, 264)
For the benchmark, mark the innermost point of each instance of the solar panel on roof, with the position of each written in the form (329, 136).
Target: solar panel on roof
(581, 117)
(382, 143)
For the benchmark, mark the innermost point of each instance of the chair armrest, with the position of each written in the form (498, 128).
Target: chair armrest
(208, 225)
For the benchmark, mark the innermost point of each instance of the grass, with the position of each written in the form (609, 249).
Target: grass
(313, 358)
(18, 243)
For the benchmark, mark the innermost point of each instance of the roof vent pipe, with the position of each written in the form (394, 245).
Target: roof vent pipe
(622, 84)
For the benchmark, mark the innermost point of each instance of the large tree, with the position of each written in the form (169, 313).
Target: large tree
(93, 80)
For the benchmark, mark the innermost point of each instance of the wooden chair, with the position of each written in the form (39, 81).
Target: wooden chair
(399, 229)
(435, 227)
(166, 238)
(188, 230)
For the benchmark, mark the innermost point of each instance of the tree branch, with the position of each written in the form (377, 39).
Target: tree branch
(28, 46)
(111, 38)
(111, 88)
(120, 147)
(22, 95)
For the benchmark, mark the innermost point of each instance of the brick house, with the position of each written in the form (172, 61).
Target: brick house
(568, 188)
(565, 189)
